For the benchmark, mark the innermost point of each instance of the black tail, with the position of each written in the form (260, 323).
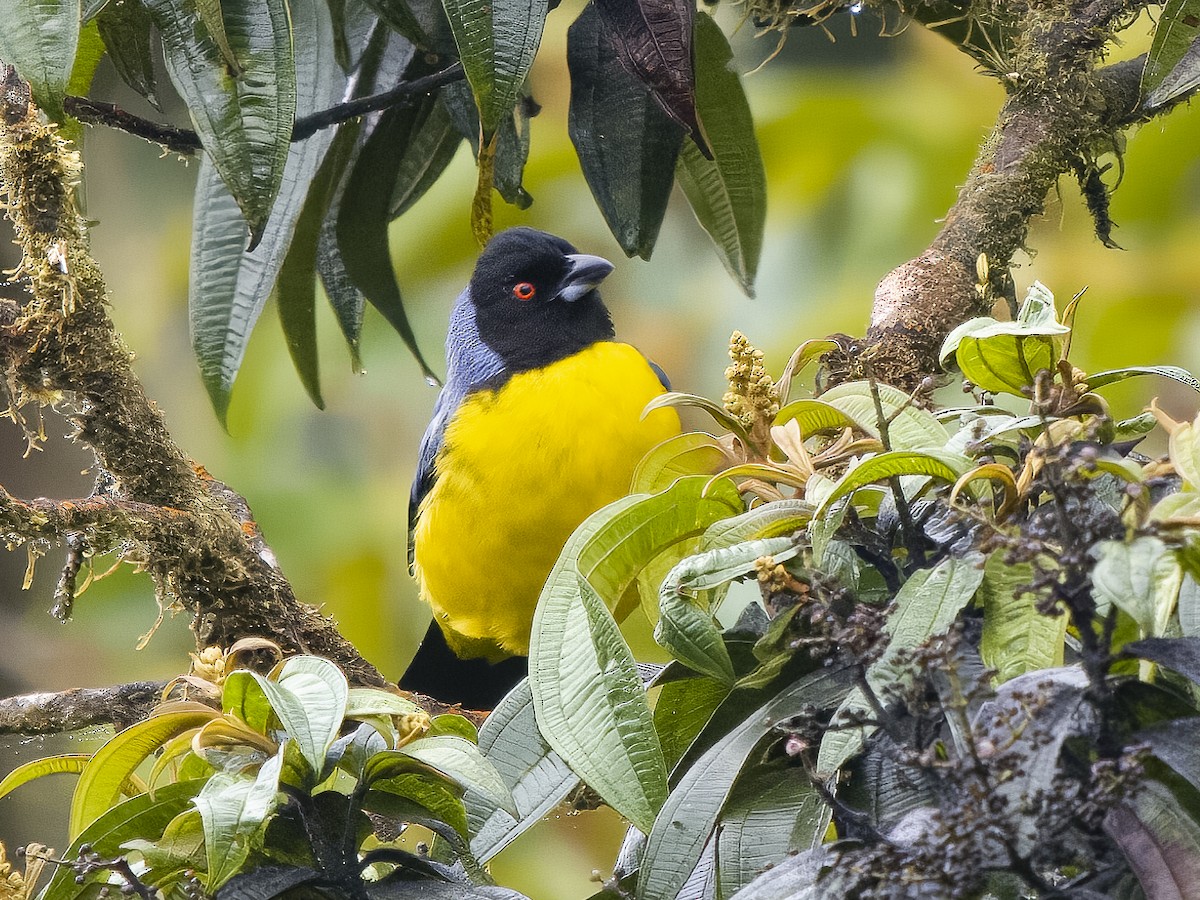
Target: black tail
(475, 683)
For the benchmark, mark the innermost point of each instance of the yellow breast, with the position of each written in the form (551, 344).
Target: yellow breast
(519, 469)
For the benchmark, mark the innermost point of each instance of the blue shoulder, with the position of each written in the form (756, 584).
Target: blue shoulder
(470, 365)
(662, 376)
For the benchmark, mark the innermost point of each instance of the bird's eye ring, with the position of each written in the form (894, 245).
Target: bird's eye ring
(523, 290)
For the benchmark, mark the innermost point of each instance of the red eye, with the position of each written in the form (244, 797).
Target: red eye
(524, 290)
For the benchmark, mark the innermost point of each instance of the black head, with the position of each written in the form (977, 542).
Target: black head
(535, 298)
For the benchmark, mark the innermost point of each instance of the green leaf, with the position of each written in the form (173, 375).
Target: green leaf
(1174, 742)
(1172, 65)
(1159, 838)
(810, 350)
(347, 301)
(364, 215)
(1004, 364)
(497, 41)
(142, 817)
(690, 453)
(926, 605)
(587, 694)
(885, 787)
(1016, 637)
(39, 38)
(181, 847)
(1134, 427)
(297, 300)
(351, 752)
(218, 249)
(688, 598)
(213, 20)
(454, 724)
(536, 775)
(462, 761)
(88, 53)
(1034, 735)
(612, 556)
(228, 285)
(169, 755)
(808, 875)
(421, 21)
(233, 808)
(1185, 504)
(424, 158)
(716, 410)
(895, 463)
(125, 28)
(372, 702)
(1037, 314)
(1112, 376)
(728, 193)
(438, 799)
(682, 710)
(297, 282)
(1004, 357)
(1141, 577)
(67, 763)
(379, 58)
(815, 416)
(627, 145)
(388, 764)
(775, 519)
(1183, 447)
(242, 697)
(1181, 655)
(690, 813)
(102, 780)
(687, 630)
(773, 810)
(909, 427)
(589, 699)
(310, 698)
(510, 150)
(243, 113)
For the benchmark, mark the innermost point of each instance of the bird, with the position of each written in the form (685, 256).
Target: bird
(538, 425)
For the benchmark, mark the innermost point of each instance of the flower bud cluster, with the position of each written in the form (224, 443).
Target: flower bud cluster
(752, 396)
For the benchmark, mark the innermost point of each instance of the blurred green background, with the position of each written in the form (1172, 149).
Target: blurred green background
(865, 141)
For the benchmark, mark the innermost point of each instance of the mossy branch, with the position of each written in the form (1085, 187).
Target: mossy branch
(54, 713)
(193, 535)
(1063, 110)
(119, 705)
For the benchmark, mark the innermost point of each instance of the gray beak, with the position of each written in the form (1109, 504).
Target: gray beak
(585, 273)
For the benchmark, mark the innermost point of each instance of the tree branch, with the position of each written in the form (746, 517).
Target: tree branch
(186, 142)
(1062, 113)
(119, 705)
(50, 713)
(201, 546)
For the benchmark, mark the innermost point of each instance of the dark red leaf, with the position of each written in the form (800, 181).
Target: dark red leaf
(653, 40)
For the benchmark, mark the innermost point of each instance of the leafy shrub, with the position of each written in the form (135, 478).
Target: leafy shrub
(942, 672)
(261, 784)
(917, 650)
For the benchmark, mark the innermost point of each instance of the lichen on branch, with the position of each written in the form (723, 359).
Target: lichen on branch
(60, 349)
(1064, 110)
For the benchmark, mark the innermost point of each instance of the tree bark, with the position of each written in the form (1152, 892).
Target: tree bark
(195, 537)
(1062, 113)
